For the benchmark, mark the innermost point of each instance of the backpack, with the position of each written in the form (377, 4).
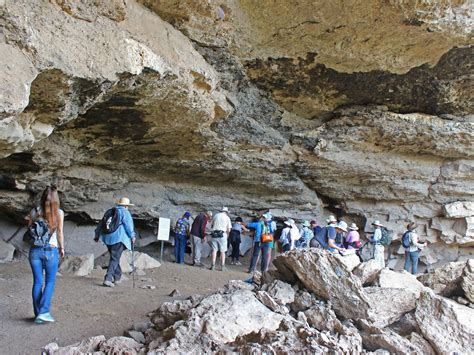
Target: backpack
(110, 222)
(406, 239)
(322, 237)
(38, 234)
(387, 236)
(181, 226)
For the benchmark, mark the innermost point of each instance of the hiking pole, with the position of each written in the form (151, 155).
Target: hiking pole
(133, 265)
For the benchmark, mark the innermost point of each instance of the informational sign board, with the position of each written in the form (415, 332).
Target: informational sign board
(164, 229)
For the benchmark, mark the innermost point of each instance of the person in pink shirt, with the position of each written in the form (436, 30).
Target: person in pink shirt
(352, 240)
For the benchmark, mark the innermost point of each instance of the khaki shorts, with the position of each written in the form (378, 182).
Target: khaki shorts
(219, 244)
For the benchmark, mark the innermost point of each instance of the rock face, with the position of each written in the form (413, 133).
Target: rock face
(445, 280)
(190, 105)
(467, 281)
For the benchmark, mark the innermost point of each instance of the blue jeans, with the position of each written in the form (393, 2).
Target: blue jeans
(43, 260)
(411, 259)
(114, 271)
(179, 246)
(257, 248)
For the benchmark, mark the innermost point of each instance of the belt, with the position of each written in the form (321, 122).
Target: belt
(48, 248)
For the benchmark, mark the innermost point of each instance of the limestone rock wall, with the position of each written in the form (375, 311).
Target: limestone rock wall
(364, 109)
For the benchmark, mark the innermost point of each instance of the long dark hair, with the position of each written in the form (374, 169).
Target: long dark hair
(50, 206)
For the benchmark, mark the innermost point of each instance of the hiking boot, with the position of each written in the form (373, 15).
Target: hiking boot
(44, 318)
(238, 263)
(108, 283)
(118, 282)
(232, 262)
(223, 268)
(213, 267)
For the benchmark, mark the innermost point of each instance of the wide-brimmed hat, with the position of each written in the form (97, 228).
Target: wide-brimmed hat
(377, 223)
(342, 226)
(224, 209)
(305, 223)
(288, 222)
(124, 201)
(331, 219)
(412, 226)
(353, 227)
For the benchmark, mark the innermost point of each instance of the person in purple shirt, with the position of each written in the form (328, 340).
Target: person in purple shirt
(352, 240)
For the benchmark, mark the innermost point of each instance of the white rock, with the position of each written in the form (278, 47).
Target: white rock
(142, 261)
(367, 271)
(281, 292)
(6, 252)
(350, 260)
(445, 280)
(459, 209)
(401, 280)
(80, 265)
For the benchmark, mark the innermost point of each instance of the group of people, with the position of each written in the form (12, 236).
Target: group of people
(116, 230)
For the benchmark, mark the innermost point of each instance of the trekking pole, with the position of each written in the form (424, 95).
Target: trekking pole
(133, 265)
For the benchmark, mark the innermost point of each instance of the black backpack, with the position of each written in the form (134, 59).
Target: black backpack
(387, 236)
(38, 233)
(110, 222)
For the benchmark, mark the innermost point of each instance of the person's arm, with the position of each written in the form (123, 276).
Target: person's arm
(414, 241)
(377, 235)
(60, 235)
(203, 227)
(244, 228)
(229, 225)
(128, 225)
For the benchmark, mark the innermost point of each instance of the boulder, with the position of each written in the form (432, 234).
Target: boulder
(7, 252)
(246, 244)
(388, 305)
(217, 319)
(268, 301)
(86, 346)
(170, 312)
(327, 277)
(80, 265)
(467, 280)
(403, 280)
(303, 301)
(367, 271)
(421, 343)
(459, 209)
(323, 318)
(120, 345)
(142, 261)
(445, 280)
(135, 335)
(350, 260)
(387, 339)
(281, 292)
(447, 325)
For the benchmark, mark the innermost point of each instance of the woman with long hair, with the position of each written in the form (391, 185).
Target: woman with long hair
(45, 258)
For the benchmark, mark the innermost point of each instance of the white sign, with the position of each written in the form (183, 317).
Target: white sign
(164, 229)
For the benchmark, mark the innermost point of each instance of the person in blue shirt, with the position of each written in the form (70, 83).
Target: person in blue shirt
(118, 241)
(258, 245)
(181, 231)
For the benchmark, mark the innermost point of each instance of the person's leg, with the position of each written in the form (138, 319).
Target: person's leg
(182, 248)
(407, 265)
(37, 268)
(118, 254)
(264, 262)
(51, 263)
(176, 248)
(414, 260)
(237, 252)
(113, 262)
(223, 249)
(214, 247)
(256, 251)
(198, 242)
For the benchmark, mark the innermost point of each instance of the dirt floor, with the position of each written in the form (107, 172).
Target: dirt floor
(83, 307)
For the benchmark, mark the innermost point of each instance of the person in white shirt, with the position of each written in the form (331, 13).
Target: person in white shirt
(221, 226)
(412, 253)
(379, 249)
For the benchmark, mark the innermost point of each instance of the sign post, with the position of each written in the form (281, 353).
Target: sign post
(163, 233)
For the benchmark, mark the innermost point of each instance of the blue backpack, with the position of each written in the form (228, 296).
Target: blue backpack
(406, 240)
(322, 237)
